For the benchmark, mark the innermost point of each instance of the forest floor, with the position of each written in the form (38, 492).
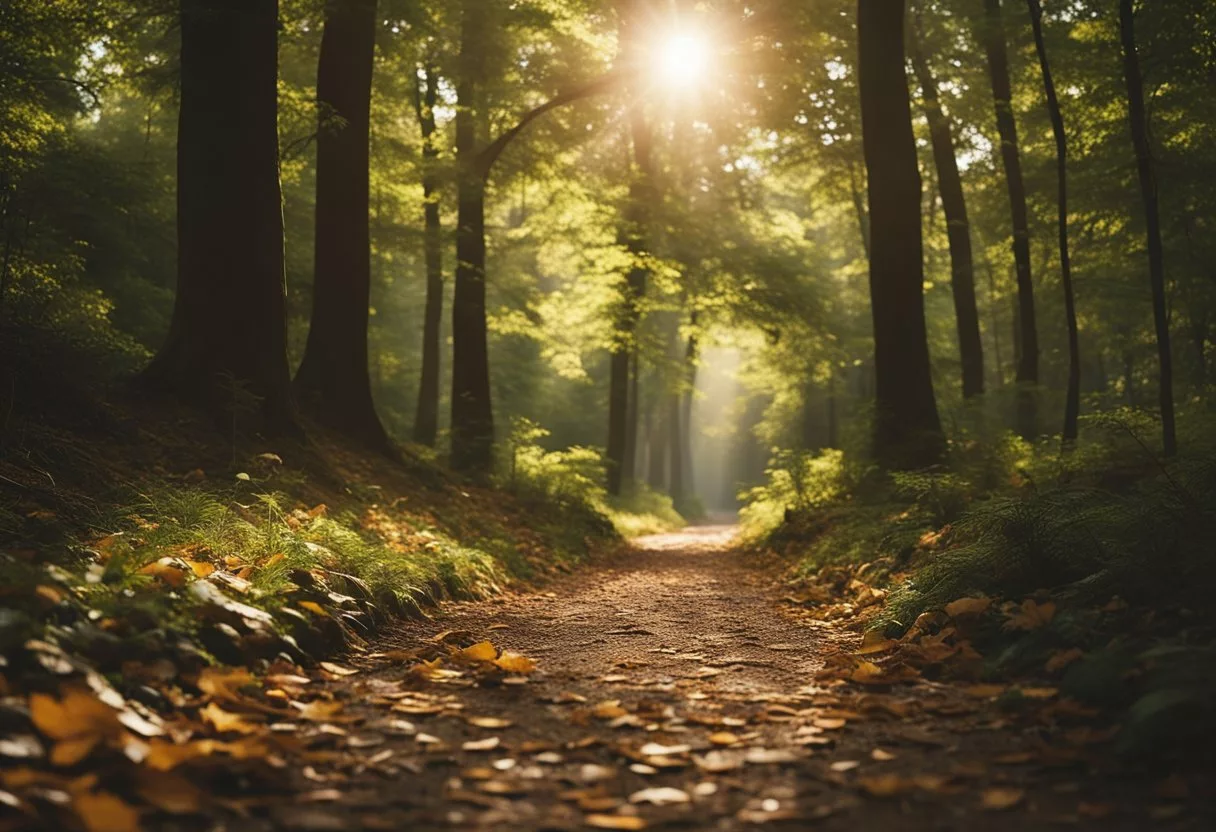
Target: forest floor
(676, 685)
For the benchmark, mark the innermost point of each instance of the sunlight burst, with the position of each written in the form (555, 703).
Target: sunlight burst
(683, 59)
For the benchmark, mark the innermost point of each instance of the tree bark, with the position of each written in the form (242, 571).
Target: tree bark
(1072, 401)
(1152, 221)
(958, 227)
(472, 410)
(620, 414)
(656, 476)
(227, 340)
(333, 381)
(907, 430)
(1002, 96)
(426, 420)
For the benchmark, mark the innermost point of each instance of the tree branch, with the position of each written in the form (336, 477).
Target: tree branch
(486, 159)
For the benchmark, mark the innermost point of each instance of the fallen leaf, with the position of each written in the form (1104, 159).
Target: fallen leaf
(968, 606)
(488, 744)
(482, 651)
(102, 812)
(614, 822)
(1031, 615)
(490, 722)
(660, 796)
(874, 641)
(844, 765)
(337, 669)
(881, 755)
(1001, 798)
(723, 738)
(1063, 658)
(886, 785)
(515, 663)
(224, 721)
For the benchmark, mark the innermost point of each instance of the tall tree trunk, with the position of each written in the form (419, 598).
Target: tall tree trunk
(472, 410)
(690, 379)
(656, 475)
(1002, 96)
(1072, 401)
(958, 228)
(619, 452)
(907, 430)
(629, 473)
(1152, 221)
(676, 446)
(426, 420)
(333, 381)
(859, 209)
(228, 335)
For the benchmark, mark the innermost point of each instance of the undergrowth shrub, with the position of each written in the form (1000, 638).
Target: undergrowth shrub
(573, 478)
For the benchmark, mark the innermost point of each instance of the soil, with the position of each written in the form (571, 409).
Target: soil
(680, 643)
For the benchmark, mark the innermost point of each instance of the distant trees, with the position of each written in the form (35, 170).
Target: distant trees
(1027, 346)
(1152, 220)
(228, 336)
(333, 380)
(907, 430)
(426, 421)
(1072, 399)
(958, 227)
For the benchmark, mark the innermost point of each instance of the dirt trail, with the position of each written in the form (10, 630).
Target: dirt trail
(695, 647)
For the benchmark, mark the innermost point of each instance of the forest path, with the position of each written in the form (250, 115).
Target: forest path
(675, 689)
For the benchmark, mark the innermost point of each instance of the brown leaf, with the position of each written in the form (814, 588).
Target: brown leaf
(1031, 615)
(1000, 798)
(102, 812)
(482, 651)
(968, 606)
(225, 721)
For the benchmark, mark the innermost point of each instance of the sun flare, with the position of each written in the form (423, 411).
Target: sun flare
(683, 59)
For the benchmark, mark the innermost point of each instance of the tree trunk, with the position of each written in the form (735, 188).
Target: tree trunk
(1002, 96)
(426, 420)
(629, 472)
(620, 457)
(227, 342)
(958, 228)
(472, 410)
(1072, 402)
(859, 209)
(333, 381)
(907, 431)
(690, 365)
(676, 446)
(656, 476)
(1152, 221)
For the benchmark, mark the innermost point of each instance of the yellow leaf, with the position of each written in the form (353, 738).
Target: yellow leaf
(274, 560)
(609, 709)
(875, 642)
(70, 752)
(225, 722)
(200, 568)
(314, 608)
(968, 606)
(515, 663)
(614, 822)
(319, 710)
(1001, 798)
(171, 575)
(482, 651)
(886, 785)
(79, 714)
(723, 738)
(224, 683)
(102, 812)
